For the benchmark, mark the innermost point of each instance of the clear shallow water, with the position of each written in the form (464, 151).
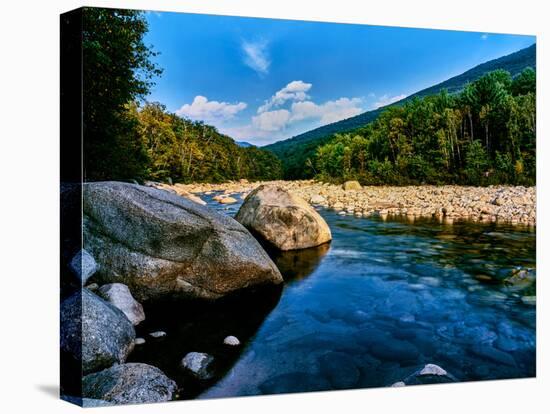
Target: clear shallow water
(367, 310)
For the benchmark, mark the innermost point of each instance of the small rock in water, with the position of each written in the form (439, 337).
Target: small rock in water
(430, 281)
(351, 185)
(92, 286)
(432, 369)
(506, 344)
(231, 340)
(520, 278)
(395, 351)
(198, 364)
(139, 341)
(342, 213)
(529, 300)
(158, 334)
(398, 384)
(339, 369)
(83, 265)
(228, 200)
(495, 355)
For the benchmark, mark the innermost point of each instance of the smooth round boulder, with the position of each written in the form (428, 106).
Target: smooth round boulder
(228, 200)
(351, 185)
(282, 219)
(94, 332)
(162, 245)
(131, 383)
(120, 297)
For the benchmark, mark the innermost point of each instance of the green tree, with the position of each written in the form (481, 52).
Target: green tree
(483, 135)
(524, 83)
(117, 70)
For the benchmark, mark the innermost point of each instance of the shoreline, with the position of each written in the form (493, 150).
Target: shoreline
(514, 205)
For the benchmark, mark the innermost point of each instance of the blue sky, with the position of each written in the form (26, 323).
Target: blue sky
(263, 80)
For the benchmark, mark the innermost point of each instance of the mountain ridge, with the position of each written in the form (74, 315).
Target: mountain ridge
(306, 142)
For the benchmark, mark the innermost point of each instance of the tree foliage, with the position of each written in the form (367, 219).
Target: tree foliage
(484, 135)
(188, 151)
(124, 141)
(295, 152)
(117, 69)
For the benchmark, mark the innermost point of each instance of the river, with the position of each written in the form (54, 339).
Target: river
(381, 300)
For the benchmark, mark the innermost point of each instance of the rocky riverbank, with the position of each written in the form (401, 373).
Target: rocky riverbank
(510, 204)
(146, 244)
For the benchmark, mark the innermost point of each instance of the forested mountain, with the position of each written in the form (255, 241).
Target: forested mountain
(486, 134)
(244, 144)
(298, 153)
(127, 139)
(190, 151)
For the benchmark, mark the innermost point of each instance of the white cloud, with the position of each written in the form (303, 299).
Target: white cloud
(484, 36)
(202, 109)
(271, 120)
(294, 91)
(290, 111)
(328, 112)
(325, 113)
(387, 100)
(256, 56)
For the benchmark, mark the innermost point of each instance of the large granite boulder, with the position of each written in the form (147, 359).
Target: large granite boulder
(162, 245)
(131, 383)
(284, 220)
(120, 297)
(94, 331)
(351, 185)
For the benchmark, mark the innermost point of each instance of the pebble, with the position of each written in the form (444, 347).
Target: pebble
(198, 364)
(231, 341)
(228, 200)
(529, 300)
(139, 341)
(157, 334)
(432, 369)
(92, 286)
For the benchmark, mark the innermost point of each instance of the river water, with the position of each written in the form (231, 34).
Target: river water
(381, 300)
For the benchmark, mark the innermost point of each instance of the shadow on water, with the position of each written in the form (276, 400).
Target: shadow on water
(296, 265)
(382, 300)
(201, 326)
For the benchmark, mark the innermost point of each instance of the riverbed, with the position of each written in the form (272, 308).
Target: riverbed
(384, 298)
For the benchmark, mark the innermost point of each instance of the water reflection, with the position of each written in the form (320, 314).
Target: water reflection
(389, 297)
(383, 299)
(201, 326)
(295, 265)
